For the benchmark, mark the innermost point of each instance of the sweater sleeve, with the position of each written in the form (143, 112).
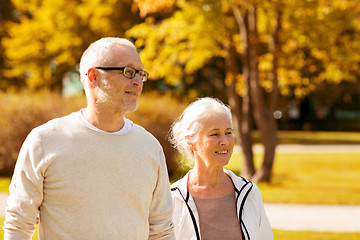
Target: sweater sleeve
(160, 223)
(25, 191)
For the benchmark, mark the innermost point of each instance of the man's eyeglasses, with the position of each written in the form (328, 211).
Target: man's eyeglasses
(128, 72)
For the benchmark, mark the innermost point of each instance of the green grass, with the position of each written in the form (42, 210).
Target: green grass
(309, 235)
(310, 178)
(4, 184)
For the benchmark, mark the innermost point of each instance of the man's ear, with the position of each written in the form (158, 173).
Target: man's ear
(92, 77)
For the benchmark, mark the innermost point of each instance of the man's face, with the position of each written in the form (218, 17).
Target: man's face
(115, 90)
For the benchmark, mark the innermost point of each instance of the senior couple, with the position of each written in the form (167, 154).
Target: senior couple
(94, 174)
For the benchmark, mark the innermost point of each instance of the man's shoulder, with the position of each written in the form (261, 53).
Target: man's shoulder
(141, 130)
(144, 135)
(56, 123)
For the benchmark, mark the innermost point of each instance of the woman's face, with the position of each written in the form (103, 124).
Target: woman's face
(215, 141)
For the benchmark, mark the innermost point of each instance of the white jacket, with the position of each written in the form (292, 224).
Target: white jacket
(250, 210)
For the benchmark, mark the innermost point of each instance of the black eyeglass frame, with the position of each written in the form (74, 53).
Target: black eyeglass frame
(142, 73)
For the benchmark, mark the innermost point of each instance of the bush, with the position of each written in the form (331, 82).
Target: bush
(20, 113)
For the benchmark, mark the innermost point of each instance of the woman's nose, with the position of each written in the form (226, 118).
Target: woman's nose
(224, 140)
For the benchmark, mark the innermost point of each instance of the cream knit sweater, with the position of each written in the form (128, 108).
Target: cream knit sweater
(84, 184)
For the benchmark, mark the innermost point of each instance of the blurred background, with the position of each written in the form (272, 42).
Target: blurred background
(290, 71)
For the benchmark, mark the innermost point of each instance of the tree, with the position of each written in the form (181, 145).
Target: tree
(250, 50)
(50, 36)
(212, 33)
(247, 22)
(259, 37)
(6, 10)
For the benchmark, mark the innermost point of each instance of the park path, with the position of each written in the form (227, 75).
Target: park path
(300, 217)
(322, 218)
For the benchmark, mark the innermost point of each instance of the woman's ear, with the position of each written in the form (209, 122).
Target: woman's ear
(92, 77)
(192, 146)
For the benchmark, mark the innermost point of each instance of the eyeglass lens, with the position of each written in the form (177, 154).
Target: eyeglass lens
(130, 73)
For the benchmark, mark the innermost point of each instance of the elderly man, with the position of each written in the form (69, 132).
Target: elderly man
(94, 174)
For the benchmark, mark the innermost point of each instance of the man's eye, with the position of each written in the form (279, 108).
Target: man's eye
(129, 72)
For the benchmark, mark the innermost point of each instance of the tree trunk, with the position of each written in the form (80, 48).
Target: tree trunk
(261, 117)
(240, 115)
(248, 169)
(270, 140)
(265, 121)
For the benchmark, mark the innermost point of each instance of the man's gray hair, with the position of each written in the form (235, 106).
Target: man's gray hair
(100, 52)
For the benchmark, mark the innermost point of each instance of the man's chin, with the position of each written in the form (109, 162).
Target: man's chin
(131, 107)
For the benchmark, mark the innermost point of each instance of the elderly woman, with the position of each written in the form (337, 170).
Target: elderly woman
(211, 202)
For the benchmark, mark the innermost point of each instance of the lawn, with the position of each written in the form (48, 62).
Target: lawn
(4, 184)
(310, 178)
(307, 235)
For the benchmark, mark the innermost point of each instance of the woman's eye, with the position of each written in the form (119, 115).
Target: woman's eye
(213, 134)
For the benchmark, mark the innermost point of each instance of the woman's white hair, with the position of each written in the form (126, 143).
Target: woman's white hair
(186, 128)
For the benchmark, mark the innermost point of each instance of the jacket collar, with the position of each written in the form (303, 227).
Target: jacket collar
(181, 184)
(239, 182)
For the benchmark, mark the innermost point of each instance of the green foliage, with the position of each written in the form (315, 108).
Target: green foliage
(317, 39)
(50, 36)
(286, 35)
(6, 9)
(182, 44)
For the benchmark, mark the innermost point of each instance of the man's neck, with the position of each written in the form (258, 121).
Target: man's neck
(103, 120)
